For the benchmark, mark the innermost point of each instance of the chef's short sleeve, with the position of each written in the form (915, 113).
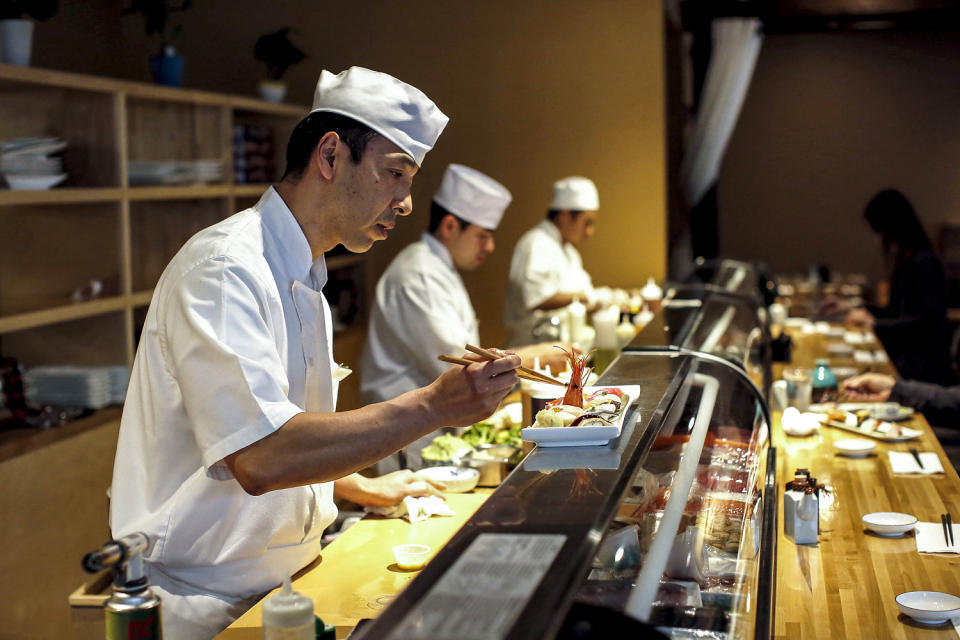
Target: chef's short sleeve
(223, 337)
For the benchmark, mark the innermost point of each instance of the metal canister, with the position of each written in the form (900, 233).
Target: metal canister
(133, 613)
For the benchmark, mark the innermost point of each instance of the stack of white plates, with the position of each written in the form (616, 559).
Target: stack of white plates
(29, 163)
(172, 172)
(74, 386)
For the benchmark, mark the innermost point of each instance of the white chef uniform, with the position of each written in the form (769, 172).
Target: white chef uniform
(236, 342)
(543, 265)
(421, 307)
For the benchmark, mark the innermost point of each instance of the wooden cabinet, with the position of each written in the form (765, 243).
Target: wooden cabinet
(104, 224)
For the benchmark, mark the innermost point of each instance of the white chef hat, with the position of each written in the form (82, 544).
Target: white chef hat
(394, 109)
(472, 196)
(575, 194)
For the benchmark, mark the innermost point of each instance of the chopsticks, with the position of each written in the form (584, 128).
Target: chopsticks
(523, 372)
(947, 521)
(916, 456)
(534, 375)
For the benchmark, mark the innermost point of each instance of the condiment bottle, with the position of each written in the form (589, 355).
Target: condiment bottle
(824, 386)
(288, 615)
(652, 294)
(801, 509)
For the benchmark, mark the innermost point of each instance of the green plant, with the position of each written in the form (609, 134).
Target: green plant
(277, 52)
(156, 16)
(41, 10)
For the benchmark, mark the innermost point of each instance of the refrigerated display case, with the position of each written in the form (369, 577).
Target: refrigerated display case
(735, 277)
(670, 525)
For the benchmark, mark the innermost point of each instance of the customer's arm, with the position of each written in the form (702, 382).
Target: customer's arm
(940, 405)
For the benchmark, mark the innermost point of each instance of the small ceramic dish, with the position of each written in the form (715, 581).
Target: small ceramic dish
(854, 447)
(888, 523)
(928, 607)
(455, 479)
(411, 556)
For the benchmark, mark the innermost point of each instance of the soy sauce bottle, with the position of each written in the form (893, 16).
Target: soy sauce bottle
(824, 386)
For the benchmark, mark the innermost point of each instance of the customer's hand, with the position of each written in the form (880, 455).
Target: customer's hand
(834, 305)
(868, 387)
(386, 490)
(463, 395)
(860, 317)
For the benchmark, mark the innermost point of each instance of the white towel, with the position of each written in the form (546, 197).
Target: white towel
(930, 538)
(414, 508)
(904, 462)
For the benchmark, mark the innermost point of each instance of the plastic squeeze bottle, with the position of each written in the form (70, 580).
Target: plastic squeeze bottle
(288, 615)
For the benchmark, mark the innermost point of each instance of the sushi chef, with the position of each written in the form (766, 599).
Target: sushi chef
(546, 271)
(230, 449)
(421, 307)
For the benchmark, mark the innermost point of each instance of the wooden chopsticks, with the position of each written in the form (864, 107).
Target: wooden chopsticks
(523, 372)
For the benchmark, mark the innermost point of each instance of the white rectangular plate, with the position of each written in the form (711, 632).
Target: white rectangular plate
(582, 436)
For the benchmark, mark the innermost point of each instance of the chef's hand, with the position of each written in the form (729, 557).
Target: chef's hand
(386, 490)
(868, 387)
(860, 317)
(548, 354)
(464, 395)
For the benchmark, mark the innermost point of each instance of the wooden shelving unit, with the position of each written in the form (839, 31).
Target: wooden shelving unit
(99, 227)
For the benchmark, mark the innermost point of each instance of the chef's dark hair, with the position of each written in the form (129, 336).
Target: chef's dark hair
(438, 213)
(553, 213)
(308, 132)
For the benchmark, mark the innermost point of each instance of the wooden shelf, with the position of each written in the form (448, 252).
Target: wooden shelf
(21, 440)
(85, 195)
(180, 192)
(65, 313)
(68, 195)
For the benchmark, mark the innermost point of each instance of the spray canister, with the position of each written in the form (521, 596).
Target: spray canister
(133, 611)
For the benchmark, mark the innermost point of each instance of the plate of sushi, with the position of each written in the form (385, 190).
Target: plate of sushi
(584, 416)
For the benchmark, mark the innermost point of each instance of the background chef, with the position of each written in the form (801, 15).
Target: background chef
(229, 444)
(421, 307)
(546, 271)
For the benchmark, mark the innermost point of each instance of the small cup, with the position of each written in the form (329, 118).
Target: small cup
(411, 556)
(799, 388)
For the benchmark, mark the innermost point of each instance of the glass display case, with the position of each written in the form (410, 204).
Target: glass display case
(670, 525)
(734, 277)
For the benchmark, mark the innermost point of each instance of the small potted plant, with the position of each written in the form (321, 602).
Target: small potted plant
(16, 31)
(278, 53)
(166, 66)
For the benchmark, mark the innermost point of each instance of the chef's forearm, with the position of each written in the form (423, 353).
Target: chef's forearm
(320, 447)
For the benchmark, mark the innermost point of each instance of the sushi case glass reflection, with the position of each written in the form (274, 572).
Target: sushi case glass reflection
(683, 550)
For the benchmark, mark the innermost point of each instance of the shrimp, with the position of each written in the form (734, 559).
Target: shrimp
(579, 373)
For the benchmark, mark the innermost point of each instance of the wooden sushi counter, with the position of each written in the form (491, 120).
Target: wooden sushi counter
(845, 586)
(356, 576)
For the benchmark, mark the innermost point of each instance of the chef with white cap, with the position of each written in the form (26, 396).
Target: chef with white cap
(421, 308)
(546, 271)
(230, 447)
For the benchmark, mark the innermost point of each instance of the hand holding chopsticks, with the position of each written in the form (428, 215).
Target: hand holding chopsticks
(522, 372)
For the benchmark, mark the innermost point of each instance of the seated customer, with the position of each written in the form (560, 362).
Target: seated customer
(940, 405)
(913, 325)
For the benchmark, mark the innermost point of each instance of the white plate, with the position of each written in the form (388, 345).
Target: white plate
(854, 447)
(844, 372)
(905, 413)
(888, 523)
(455, 479)
(582, 436)
(34, 183)
(928, 607)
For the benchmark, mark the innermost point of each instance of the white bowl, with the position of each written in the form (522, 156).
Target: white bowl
(888, 523)
(928, 607)
(455, 479)
(33, 183)
(854, 447)
(840, 349)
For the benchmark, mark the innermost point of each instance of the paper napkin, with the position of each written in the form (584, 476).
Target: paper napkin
(904, 462)
(930, 538)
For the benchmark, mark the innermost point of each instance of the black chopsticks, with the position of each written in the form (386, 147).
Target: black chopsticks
(947, 521)
(916, 456)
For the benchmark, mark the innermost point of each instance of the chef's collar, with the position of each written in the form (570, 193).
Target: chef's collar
(552, 230)
(294, 253)
(437, 248)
